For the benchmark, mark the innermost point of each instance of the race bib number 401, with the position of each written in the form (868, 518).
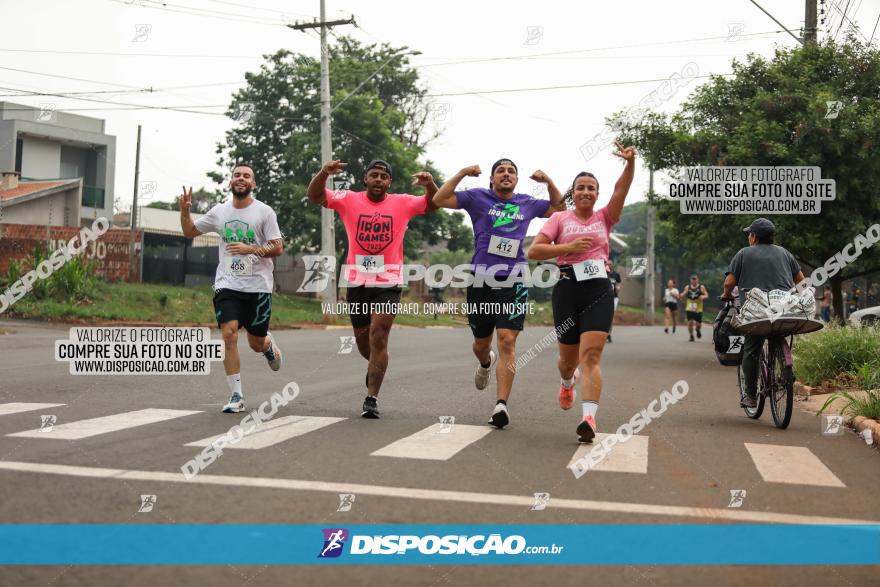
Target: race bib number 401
(504, 247)
(589, 269)
(370, 263)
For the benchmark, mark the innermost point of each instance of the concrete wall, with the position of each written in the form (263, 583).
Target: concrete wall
(42, 158)
(17, 121)
(59, 209)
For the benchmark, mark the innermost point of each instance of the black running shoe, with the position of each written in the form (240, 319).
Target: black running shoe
(371, 408)
(748, 401)
(699, 334)
(692, 338)
(500, 418)
(586, 430)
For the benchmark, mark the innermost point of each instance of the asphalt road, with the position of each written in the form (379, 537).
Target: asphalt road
(683, 471)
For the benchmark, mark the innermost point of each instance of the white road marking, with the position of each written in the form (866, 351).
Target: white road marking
(791, 464)
(275, 431)
(95, 426)
(523, 501)
(624, 457)
(18, 407)
(431, 444)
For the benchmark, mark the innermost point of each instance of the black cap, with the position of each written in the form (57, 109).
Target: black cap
(761, 227)
(501, 161)
(379, 164)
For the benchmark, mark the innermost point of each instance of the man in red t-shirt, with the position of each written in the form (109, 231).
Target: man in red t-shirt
(375, 222)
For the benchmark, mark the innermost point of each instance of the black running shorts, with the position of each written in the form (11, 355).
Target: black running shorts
(252, 310)
(698, 316)
(496, 307)
(581, 306)
(364, 301)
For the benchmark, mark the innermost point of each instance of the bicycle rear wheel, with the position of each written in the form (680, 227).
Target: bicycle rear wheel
(753, 413)
(781, 392)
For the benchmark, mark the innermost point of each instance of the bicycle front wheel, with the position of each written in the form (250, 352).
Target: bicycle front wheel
(753, 413)
(781, 384)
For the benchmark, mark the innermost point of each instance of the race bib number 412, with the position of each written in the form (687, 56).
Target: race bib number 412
(504, 247)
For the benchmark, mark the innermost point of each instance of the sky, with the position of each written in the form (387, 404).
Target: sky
(195, 53)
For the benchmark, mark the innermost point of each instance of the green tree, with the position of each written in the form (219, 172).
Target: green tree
(773, 112)
(379, 112)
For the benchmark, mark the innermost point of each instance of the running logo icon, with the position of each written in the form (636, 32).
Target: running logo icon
(346, 500)
(147, 503)
(736, 344)
(334, 540)
(47, 422)
(832, 424)
(737, 496)
(638, 267)
(346, 345)
(319, 270)
(541, 501)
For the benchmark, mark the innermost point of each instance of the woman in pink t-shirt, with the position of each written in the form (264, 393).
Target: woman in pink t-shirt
(583, 299)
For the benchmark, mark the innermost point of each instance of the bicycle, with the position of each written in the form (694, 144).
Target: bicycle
(775, 369)
(775, 381)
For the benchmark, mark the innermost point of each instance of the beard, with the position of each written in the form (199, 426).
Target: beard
(241, 193)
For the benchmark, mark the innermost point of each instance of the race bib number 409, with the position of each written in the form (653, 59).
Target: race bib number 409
(589, 269)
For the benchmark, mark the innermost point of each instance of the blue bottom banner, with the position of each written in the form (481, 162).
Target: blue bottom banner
(527, 544)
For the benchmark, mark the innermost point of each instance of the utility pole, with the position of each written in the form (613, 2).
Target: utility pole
(328, 238)
(134, 206)
(649, 251)
(810, 22)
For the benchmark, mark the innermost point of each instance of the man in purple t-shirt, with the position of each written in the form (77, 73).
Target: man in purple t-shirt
(500, 218)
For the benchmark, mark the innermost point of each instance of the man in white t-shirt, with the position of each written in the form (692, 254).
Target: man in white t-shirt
(243, 284)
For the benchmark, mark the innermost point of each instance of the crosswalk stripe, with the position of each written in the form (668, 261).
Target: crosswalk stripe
(275, 431)
(95, 426)
(18, 407)
(624, 457)
(791, 464)
(432, 444)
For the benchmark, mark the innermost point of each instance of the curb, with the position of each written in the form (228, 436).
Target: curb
(862, 424)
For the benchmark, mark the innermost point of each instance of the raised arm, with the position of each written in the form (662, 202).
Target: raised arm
(426, 180)
(186, 222)
(445, 196)
(317, 187)
(621, 188)
(557, 203)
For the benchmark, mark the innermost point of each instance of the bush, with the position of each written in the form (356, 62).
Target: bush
(75, 280)
(869, 406)
(824, 355)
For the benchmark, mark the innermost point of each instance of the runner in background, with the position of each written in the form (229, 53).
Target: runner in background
(500, 219)
(614, 276)
(244, 282)
(670, 301)
(375, 223)
(694, 294)
(583, 298)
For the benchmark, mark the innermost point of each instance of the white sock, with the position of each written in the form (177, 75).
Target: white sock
(234, 383)
(590, 408)
(568, 383)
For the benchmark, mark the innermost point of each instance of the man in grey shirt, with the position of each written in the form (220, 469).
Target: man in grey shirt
(765, 266)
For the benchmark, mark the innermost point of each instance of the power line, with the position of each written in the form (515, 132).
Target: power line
(130, 54)
(279, 12)
(875, 29)
(844, 17)
(845, 8)
(192, 11)
(569, 87)
(592, 50)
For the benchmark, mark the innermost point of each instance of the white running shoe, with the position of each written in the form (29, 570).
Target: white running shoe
(481, 377)
(235, 405)
(273, 355)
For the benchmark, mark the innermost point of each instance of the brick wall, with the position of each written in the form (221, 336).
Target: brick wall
(111, 250)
